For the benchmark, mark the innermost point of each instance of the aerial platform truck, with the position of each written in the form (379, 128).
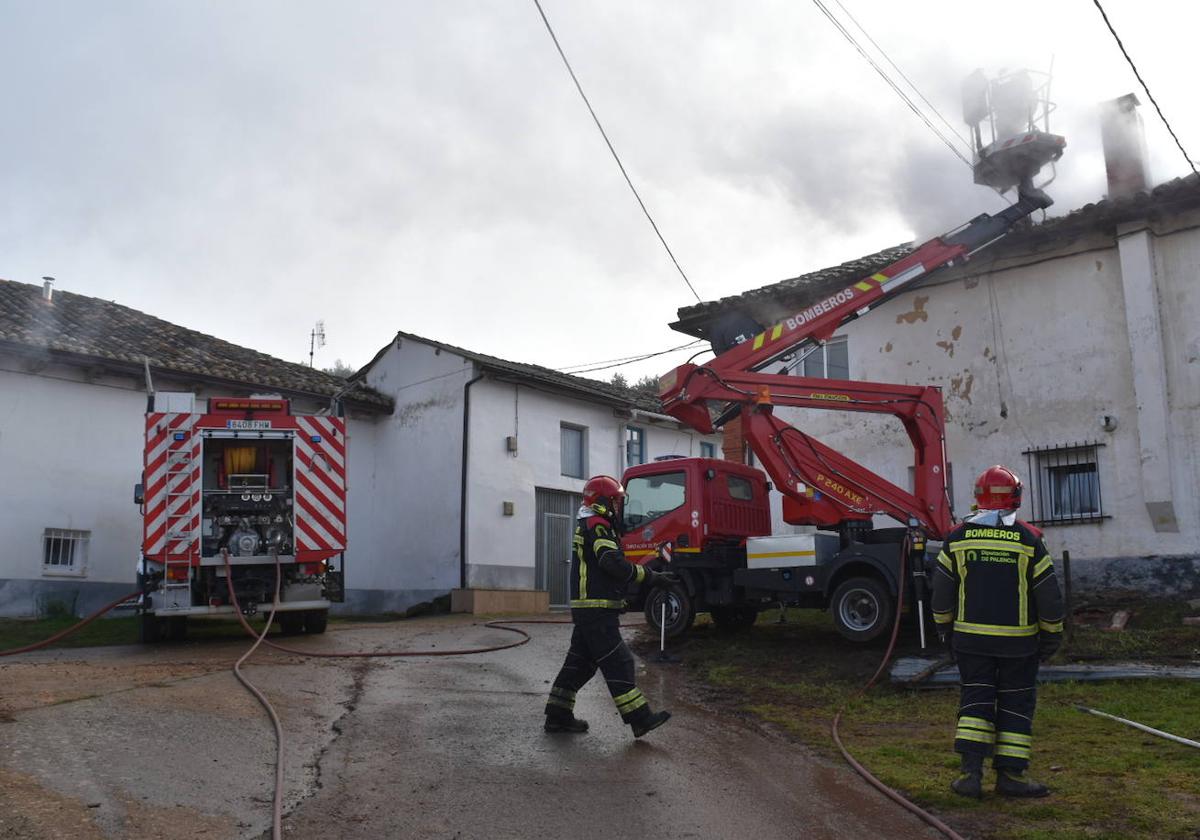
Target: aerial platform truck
(233, 487)
(712, 516)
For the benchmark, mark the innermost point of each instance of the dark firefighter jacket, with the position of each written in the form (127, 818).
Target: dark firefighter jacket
(599, 571)
(996, 584)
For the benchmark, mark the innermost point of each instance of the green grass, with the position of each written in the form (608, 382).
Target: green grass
(1109, 780)
(18, 632)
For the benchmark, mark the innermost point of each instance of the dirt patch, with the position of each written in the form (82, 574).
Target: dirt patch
(150, 823)
(32, 812)
(36, 685)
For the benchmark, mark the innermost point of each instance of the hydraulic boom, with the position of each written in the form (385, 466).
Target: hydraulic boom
(820, 486)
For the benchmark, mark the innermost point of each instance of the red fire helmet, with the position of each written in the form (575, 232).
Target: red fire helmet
(998, 488)
(604, 494)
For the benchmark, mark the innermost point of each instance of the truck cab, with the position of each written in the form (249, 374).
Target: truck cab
(709, 521)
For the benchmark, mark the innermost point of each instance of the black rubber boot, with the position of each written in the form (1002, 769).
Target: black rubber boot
(970, 783)
(1011, 783)
(649, 723)
(565, 723)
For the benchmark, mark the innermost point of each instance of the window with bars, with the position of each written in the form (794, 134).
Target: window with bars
(573, 451)
(635, 446)
(64, 552)
(1064, 486)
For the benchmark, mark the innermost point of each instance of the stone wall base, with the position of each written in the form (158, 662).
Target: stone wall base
(488, 601)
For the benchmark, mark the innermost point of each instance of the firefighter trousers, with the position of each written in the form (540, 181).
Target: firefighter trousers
(995, 711)
(596, 644)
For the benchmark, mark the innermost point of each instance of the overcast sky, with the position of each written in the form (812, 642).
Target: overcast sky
(247, 168)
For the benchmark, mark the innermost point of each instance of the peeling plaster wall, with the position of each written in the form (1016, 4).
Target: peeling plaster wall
(1034, 356)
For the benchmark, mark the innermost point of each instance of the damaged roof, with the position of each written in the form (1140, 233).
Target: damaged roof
(85, 330)
(770, 303)
(593, 389)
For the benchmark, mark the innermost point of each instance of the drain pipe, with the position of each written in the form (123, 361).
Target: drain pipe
(462, 509)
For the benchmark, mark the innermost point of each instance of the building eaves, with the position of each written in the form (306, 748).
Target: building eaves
(86, 331)
(768, 303)
(534, 375)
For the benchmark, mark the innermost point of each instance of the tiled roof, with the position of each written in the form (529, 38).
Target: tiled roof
(77, 327)
(766, 303)
(594, 389)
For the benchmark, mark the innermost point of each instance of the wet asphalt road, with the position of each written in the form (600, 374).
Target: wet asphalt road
(426, 747)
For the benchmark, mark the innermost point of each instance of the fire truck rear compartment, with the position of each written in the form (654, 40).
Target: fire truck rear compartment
(247, 499)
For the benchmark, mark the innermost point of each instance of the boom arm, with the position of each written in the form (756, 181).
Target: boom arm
(820, 486)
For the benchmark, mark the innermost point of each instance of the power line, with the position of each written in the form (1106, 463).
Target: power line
(883, 75)
(1145, 87)
(588, 367)
(616, 157)
(910, 82)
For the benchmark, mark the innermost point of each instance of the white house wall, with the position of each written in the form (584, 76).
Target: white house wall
(70, 454)
(501, 549)
(1035, 356)
(404, 494)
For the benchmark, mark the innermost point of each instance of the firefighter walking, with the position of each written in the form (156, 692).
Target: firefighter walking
(599, 577)
(997, 604)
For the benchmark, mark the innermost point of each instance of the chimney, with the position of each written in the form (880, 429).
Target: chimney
(1124, 143)
(47, 288)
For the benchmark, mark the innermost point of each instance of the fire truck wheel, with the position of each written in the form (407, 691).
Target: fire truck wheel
(150, 631)
(177, 628)
(734, 618)
(681, 612)
(315, 620)
(291, 623)
(862, 609)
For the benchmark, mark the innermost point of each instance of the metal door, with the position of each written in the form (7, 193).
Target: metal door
(555, 528)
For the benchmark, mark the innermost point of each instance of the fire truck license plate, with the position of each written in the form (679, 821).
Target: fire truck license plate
(247, 424)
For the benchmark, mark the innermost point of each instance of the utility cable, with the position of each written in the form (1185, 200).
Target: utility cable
(616, 157)
(627, 360)
(894, 66)
(892, 84)
(1145, 87)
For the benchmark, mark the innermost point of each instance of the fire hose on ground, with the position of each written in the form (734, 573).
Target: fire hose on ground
(891, 794)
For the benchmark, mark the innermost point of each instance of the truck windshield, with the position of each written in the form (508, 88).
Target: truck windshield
(649, 497)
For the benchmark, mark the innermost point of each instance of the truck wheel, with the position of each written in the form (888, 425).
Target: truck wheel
(862, 609)
(150, 631)
(315, 620)
(291, 623)
(739, 617)
(681, 612)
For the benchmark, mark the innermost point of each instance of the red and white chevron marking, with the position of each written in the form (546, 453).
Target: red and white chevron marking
(320, 500)
(172, 486)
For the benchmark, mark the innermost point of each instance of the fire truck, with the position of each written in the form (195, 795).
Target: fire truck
(713, 516)
(233, 488)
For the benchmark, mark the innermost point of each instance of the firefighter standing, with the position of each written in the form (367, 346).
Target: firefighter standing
(996, 602)
(599, 576)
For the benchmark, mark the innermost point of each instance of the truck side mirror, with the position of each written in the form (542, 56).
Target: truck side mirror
(139, 493)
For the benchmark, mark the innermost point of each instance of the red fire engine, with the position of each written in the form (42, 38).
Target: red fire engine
(240, 484)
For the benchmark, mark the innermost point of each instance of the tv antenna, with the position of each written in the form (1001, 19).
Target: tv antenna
(316, 339)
